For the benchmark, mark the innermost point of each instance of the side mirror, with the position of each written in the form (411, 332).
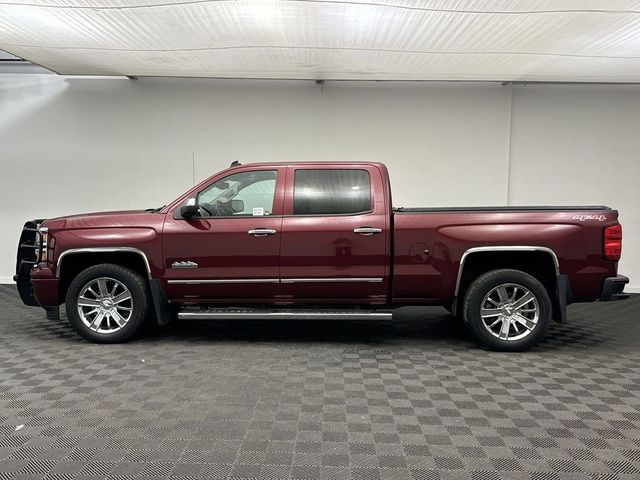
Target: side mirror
(190, 209)
(237, 206)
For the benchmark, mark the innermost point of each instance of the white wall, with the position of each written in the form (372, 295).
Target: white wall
(83, 144)
(576, 145)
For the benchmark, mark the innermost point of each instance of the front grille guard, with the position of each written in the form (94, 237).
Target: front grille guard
(29, 254)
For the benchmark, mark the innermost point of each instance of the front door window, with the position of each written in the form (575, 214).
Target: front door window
(243, 194)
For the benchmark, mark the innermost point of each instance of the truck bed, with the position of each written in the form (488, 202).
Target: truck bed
(573, 234)
(502, 209)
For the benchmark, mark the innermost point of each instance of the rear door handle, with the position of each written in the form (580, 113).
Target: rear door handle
(261, 232)
(368, 231)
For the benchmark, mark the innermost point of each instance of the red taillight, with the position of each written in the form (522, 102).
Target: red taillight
(613, 242)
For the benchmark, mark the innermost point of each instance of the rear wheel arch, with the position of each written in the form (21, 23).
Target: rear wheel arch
(539, 262)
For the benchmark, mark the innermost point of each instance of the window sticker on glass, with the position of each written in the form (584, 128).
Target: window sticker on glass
(258, 211)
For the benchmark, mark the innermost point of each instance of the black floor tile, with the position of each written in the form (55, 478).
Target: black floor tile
(414, 398)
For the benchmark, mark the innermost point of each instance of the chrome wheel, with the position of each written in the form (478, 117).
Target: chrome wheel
(105, 305)
(510, 312)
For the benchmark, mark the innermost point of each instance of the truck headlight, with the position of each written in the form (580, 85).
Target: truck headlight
(42, 241)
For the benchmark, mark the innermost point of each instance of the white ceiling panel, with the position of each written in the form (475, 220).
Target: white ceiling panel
(506, 40)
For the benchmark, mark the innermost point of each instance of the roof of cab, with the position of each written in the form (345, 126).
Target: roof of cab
(305, 163)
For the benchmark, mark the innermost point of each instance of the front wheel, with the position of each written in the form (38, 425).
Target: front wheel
(107, 303)
(507, 310)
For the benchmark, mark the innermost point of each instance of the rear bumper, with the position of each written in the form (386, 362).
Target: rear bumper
(613, 289)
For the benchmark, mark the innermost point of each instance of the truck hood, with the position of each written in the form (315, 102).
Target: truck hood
(116, 219)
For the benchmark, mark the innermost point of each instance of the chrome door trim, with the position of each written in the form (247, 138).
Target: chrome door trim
(190, 281)
(333, 280)
(222, 280)
(103, 250)
(504, 248)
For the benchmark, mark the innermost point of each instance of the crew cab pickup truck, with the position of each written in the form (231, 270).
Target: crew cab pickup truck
(319, 241)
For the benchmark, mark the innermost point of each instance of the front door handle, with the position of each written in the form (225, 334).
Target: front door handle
(367, 231)
(261, 232)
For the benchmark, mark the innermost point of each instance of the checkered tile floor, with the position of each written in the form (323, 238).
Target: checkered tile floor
(409, 399)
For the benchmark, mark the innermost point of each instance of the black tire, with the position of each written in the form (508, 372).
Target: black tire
(139, 303)
(483, 285)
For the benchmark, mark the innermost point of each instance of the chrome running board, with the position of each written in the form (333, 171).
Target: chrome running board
(275, 314)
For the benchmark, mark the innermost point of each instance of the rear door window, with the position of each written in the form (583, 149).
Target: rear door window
(331, 192)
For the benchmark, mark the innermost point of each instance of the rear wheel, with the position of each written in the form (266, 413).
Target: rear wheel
(107, 303)
(507, 310)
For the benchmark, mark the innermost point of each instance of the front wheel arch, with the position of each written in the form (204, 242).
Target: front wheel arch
(100, 301)
(72, 262)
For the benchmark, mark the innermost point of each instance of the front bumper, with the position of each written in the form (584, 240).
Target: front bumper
(38, 287)
(613, 289)
(36, 282)
(29, 248)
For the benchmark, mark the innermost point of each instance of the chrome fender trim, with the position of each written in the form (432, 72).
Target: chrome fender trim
(103, 250)
(504, 248)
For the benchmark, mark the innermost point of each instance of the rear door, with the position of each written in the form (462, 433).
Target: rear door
(335, 232)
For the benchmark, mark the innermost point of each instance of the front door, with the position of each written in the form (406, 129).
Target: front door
(230, 250)
(335, 235)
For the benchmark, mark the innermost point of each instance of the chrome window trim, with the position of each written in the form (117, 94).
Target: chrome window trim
(366, 212)
(504, 248)
(103, 250)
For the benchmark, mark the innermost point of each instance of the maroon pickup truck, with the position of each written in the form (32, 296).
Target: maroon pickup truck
(316, 241)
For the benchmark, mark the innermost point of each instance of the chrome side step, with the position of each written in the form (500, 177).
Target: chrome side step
(266, 314)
